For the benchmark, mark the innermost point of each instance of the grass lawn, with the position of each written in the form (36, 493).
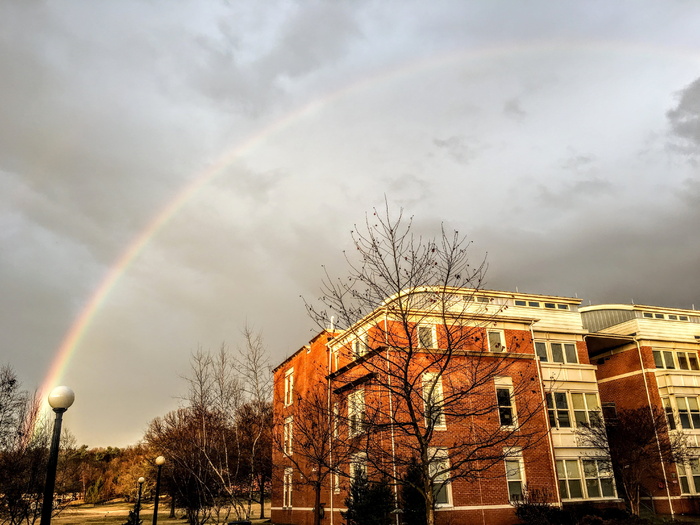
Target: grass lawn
(116, 513)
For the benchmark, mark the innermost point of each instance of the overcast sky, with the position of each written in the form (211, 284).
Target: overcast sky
(562, 137)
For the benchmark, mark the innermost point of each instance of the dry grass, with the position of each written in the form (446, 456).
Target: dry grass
(116, 513)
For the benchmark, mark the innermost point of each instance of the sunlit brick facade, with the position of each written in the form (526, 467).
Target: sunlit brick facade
(546, 342)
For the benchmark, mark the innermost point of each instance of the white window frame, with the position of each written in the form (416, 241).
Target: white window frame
(666, 359)
(359, 346)
(433, 336)
(690, 408)
(582, 478)
(432, 401)
(356, 412)
(689, 476)
(496, 346)
(336, 420)
(515, 472)
(289, 387)
(581, 408)
(506, 384)
(287, 488)
(440, 461)
(358, 461)
(549, 351)
(288, 432)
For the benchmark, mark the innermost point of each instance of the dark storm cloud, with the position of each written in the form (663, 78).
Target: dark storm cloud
(685, 119)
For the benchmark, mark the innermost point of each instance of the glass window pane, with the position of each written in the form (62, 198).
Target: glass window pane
(505, 415)
(440, 491)
(608, 488)
(683, 361)
(685, 488)
(589, 468)
(694, 467)
(513, 469)
(685, 419)
(550, 400)
(592, 402)
(580, 418)
(680, 401)
(495, 343)
(541, 349)
(658, 360)
(592, 488)
(503, 396)
(693, 403)
(563, 489)
(560, 398)
(572, 470)
(693, 362)
(564, 418)
(557, 353)
(561, 472)
(571, 356)
(668, 359)
(577, 401)
(515, 490)
(575, 489)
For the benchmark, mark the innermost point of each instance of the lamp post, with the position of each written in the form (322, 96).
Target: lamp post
(60, 399)
(160, 461)
(138, 499)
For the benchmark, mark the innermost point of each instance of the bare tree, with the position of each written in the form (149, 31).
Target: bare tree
(23, 452)
(310, 437)
(416, 325)
(635, 442)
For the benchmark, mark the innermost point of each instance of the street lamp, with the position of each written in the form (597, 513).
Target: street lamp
(160, 461)
(138, 499)
(60, 399)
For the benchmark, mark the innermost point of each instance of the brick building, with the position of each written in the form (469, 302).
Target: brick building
(521, 363)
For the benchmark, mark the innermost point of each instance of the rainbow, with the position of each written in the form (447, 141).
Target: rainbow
(77, 330)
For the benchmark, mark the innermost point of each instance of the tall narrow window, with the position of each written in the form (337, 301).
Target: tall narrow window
(558, 408)
(359, 346)
(515, 477)
(336, 419)
(356, 412)
(358, 465)
(425, 336)
(287, 488)
(689, 475)
(506, 404)
(432, 400)
(497, 342)
(288, 435)
(438, 469)
(541, 350)
(289, 387)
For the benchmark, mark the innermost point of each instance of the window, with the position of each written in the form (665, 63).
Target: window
(358, 465)
(569, 474)
(506, 405)
(669, 360)
(425, 337)
(359, 346)
(585, 405)
(586, 409)
(599, 478)
(289, 387)
(288, 435)
(688, 412)
(432, 401)
(497, 341)
(520, 303)
(287, 488)
(356, 412)
(537, 304)
(689, 475)
(515, 476)
(336, 482)
(555, 352)
(438, 469)
(558, 408)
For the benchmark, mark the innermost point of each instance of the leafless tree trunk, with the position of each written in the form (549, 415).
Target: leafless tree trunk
(424, 359)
